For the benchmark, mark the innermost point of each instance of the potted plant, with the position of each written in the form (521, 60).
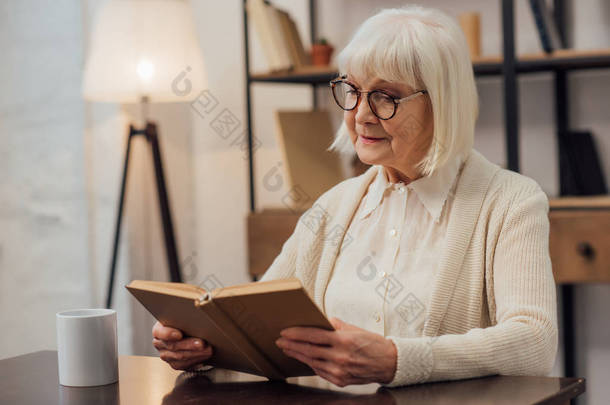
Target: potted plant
(321, 51)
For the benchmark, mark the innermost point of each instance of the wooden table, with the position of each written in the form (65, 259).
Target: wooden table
(32, 379)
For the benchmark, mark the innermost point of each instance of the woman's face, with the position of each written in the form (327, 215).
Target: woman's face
(398, 143)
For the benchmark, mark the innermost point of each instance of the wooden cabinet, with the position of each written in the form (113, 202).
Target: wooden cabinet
(580, 239)
(267, 232)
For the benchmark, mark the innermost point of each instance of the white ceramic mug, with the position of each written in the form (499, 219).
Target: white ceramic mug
(87, 352)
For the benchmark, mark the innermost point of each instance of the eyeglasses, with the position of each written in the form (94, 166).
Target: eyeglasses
(382, 104)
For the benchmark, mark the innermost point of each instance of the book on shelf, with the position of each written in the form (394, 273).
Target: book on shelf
(303, 137)
(240, 322)
(278, 36)
(259, 14)
(580, 170)
(546, 26)
(298, 56)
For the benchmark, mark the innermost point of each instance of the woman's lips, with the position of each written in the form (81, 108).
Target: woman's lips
(368, 140)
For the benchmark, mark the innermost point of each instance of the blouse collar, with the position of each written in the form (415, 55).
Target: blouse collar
(432, 190)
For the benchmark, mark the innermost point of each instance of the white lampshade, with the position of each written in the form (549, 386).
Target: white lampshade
(144, 48)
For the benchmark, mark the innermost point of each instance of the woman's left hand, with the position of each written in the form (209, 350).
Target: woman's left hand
(347, 355)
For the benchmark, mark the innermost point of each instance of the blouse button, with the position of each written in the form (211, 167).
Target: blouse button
(377, 317)
(392, 232)
(401, 189)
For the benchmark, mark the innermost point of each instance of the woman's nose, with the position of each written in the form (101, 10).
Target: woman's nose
(363, 110)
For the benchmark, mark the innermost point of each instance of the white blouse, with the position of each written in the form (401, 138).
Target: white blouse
(387, 262)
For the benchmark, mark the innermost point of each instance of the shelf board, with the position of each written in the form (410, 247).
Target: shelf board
(308, 74)
(567, 59)
(597, 202)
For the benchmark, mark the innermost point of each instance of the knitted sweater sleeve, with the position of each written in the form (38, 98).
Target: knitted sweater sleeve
(523, 338)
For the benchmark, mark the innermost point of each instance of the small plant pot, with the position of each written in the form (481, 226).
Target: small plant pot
(320, 54)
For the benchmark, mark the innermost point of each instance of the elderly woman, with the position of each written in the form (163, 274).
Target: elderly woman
(434, 263)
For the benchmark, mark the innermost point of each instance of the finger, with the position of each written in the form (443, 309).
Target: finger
(306, 348)
(166, 332)
(311, 362)
(186, 364)
(159, 344)
(328, 377)
(341, 382)
(315, 364)
(185, 355)
(329, 368)
(163, 344)
(191, 343)
(313, 335)
(334, 375)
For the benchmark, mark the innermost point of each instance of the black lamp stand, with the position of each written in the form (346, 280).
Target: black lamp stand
(150, 133)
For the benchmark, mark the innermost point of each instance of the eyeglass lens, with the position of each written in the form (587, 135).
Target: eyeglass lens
(346, 97)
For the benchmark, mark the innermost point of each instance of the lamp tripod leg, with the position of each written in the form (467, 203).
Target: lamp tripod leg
(117, 229)
(168, 228)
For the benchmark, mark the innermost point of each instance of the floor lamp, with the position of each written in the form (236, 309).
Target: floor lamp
(144, 51)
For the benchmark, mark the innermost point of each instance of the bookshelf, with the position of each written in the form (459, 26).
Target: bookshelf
(311, 75)
(508, 66)
(566, 60)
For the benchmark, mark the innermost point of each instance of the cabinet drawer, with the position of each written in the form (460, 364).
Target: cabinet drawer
(580, 245)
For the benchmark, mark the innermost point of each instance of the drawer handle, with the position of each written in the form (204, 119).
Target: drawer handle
(586, 250)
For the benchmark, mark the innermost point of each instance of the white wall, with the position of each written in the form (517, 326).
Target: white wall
(44, 257)
(60, 162)
(60, 166)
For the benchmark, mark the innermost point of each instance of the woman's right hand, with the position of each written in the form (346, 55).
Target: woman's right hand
(179, 352)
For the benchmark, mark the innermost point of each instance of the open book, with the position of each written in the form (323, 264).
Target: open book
(241, 322)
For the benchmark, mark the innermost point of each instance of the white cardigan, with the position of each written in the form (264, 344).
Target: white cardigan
(493, 306)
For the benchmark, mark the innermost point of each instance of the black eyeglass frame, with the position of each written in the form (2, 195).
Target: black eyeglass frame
(359, 93)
